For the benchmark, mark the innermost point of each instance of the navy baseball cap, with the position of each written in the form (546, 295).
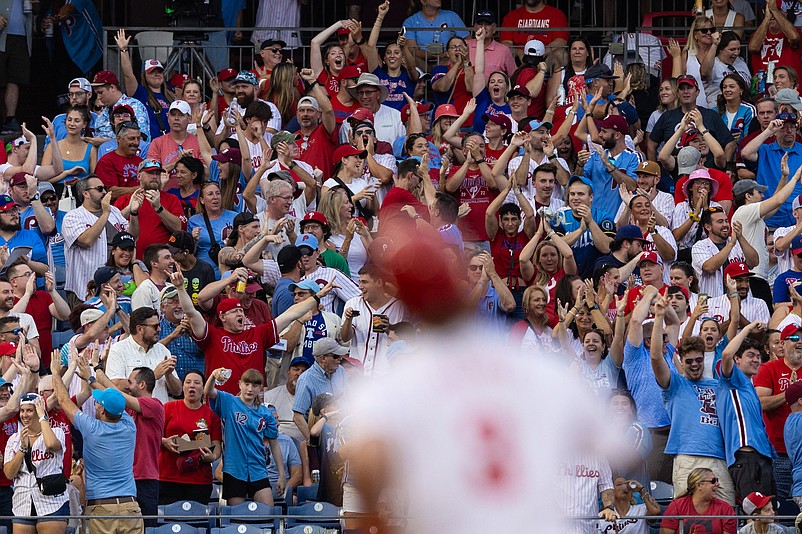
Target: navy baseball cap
(796, 245)
(629, 231)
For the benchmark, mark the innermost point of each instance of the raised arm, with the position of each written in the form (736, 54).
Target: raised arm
(131, 83)
(617, 344)
(296, 311)
(59, 389)
(479, 77)
(369, 49)
(639, 314)
(196, 321)
(315, 53)
(728, 354)
(662, 373)
(208, 389)
(491, 220)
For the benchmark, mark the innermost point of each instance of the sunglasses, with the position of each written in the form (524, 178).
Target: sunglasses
(28, 398)
(714, 319)
(689, 361)
(301, 294)
(49, 198)
(795, 338)
(18, 331)
(276, 50)
(705, 30)
(474, 267)
(364, 132)
(98, 188)
(335, 356)
(713, 480)
(715, 209)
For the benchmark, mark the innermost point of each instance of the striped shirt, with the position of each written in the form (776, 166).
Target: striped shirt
(26, 489)
(712, 284)
(367, 346)
(784, 262)
(678, 218)
(752, 309)
(339, 295)
(579, 484)
(83, 262)
(187, 354)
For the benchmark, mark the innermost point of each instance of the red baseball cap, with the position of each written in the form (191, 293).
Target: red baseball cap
(736, 269)
(445, 110)
(123, 107)
(343, 31)
(105, 77)
(178, 80)
(755, 501)
(789, 330)
(315, 216)
(502, 120)
(227, 74)
(343, 151)
(18, 179)
(688, 136)
(683, 290)
(422, 108)
(228, 305)
(690, 80)
(8, 348)
(615, 122)
(651, 256)
(362, 115)
(349, 72)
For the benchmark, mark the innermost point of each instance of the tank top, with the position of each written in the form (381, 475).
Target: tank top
(729, 22)
(83, 162)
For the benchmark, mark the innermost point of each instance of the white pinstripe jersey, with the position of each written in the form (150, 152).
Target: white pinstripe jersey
(26, 489)
(712, 284)
(578, 488)
(367, 346)
(82, 262)
(347, 288)
(753, 309)
(784, 262)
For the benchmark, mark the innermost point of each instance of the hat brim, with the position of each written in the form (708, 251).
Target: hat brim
(271, 43)
(514, 92)
(384, 92)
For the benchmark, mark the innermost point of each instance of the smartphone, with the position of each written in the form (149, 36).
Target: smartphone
(703, 299)
(355, 313)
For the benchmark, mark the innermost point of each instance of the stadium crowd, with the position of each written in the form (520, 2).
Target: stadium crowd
(637, 216)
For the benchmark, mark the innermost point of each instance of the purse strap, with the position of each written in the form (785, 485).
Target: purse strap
(212, 237)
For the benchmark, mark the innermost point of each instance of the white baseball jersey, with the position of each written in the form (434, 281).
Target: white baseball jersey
(753, 309)
(663, 203)
(387, 124)
(367, 346)
(678, 218)
(529, 189)
(274, 123)
(712, 284)
(26, 488)
(666, 234)
(626, 526)
(344, 288)
(83, 262)
(578, 488)
(784, 262)
(284, 14)
(754, 230)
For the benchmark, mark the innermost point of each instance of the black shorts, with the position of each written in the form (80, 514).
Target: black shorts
(234, 487)
(15, 62)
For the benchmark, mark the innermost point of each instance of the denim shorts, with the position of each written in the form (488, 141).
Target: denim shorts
(59, 515)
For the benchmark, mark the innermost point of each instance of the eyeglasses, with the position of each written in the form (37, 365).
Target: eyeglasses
(689, 361)
(705, 30)
(98, 188)
(23, 275)
(305, 142)
(15, 331)
(335, 356)
(474, 267)
(367, 92)
(301, 294)
(152, 325)
(713, 481)
(49, 198)
(75, 95)
(286, 197)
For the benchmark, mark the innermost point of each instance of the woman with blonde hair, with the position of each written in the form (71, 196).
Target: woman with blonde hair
(336, 205)
(282, 91)
(699, 498)
(700, 40)
(534, 333)
(667, 99)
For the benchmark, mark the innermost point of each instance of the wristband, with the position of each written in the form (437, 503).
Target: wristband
(161, 209)
(361, 41)
(134, 213)
(313, 84)
(206, 128)
(317, 299)
(292, 165)
(732, 295)
(91, 380)
(44, 418)
(124, 50)
(704, 132)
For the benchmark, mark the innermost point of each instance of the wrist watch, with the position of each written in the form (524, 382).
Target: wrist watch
(161, 209)
(35, 197)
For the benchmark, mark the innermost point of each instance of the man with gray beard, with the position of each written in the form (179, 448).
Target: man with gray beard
(772, 380)
(174, 334)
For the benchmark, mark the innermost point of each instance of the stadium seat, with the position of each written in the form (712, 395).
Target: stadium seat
(306, 493)
(173, 528)
(240, 529)
(314, 513)
(663, 493)
(189, 512)
(155, 44)
(307, 529)
(254, 513)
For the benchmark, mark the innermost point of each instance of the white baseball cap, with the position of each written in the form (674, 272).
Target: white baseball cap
(535, 48)
(83, 83)
(151, 64)
(181, 106)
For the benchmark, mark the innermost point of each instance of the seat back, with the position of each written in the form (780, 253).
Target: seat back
(174, 528)
(318, 513)
(154, 45)
(308, 529)
(255, 513)
(188, 512)
(663, 493)
(241, 529)
(307, 493)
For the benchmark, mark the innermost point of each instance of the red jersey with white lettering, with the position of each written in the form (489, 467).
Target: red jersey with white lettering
(776, 376)
(238, 352)
(475, 192)
(534, 25)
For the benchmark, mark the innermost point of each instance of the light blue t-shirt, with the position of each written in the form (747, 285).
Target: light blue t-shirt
(289, 453)
(695, 428)
(222, 227)
(108, 456)
(111, 146)
(793, 443)
(740, 416)
(444, 20)
(55, 241)
(244, 430)
(605, 189)
(645, 390)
